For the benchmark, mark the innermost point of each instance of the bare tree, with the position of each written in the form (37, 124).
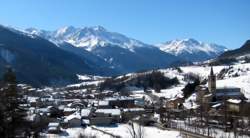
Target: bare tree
(135, 131)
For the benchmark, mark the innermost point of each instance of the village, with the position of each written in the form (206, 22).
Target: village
(213, 111)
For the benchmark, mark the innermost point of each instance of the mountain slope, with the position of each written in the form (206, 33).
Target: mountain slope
(121, 53)
(243, 50)
(192, 50)
(241, 54)
(38, 61)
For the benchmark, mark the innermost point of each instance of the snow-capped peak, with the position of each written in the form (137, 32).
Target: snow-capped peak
(88, 37)
(191, 46)
(192, 49)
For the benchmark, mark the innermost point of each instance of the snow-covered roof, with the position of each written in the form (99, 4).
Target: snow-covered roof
(75, 115)
(109, 111)
(133, 109)
(119, 98)
(53, 124)
(235, 101)
(216, 105)
(85, 121)
(103, 103)
(208, 95)
(32, 99)
(85, 112)
(69, 109)
(44, 110)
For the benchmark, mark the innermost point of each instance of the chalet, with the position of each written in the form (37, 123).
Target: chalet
(175, 103)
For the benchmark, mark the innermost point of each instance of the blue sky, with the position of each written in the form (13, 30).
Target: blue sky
(225, 22)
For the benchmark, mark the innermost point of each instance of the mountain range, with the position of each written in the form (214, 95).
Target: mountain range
(55, 57)
(192, 50)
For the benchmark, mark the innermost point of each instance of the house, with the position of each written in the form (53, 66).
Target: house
(47, 100)
(114, 113)
(54, 127)
(123, 101)
(85, 113)
(68, 111)
(105, 116)
(102, 104)
(85, 122)
(73, 120)
(97, 120)
(175, 103)
(233, 105)
(201, 91)
(130, 113)
(33, 101)
(228, 93)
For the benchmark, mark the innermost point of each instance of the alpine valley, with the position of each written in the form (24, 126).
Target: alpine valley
(60, 55)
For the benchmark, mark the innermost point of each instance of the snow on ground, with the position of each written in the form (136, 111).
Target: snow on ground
(85, 83)
(237, 76)
(190, 102)
(202, 71)
(83, 77)
(119, 130)
(123, 130)
(171, 92)
(76, 132)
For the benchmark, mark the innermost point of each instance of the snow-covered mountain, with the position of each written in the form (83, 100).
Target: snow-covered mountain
(241, 54)
(88, 37)
(192, 50)
(39, 62)
(119, 51)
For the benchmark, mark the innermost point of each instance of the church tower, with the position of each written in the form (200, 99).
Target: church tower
(212, 81)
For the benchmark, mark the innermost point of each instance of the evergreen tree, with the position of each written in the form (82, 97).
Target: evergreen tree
(11, 115)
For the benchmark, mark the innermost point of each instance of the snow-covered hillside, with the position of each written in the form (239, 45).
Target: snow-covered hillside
(192, 49)
(227, 76)
(88, 37)
(115, 51)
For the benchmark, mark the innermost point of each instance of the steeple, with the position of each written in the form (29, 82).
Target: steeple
(211, 71)
(212, 81)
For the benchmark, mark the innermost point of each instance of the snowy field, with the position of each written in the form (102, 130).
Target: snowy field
(118, 130)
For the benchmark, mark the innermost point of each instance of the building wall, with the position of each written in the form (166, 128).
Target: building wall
(212, 83)
(101, 120)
